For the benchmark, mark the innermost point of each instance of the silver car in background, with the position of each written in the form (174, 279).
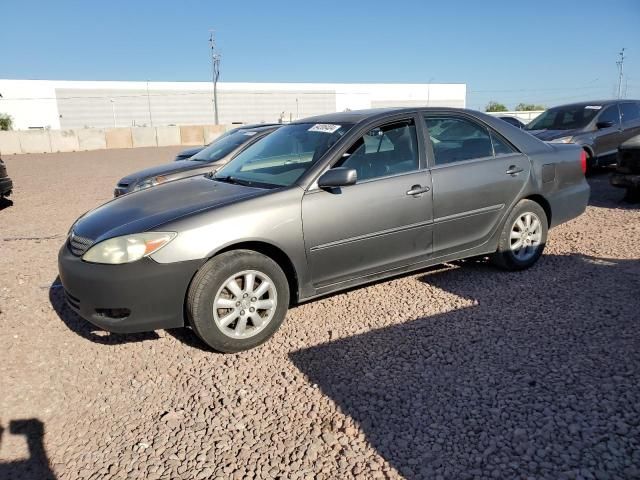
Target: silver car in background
(206, 160)
(318, 206)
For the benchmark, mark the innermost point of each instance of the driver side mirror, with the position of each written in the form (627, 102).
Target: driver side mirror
(337, 177)
(604, 124)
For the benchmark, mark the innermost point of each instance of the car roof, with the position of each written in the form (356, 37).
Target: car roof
(603, 103)
(356, 116)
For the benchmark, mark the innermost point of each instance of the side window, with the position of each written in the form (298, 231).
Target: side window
(610, 114)
(630, 112)
(500, 147)
(455, 139)
(386, 150)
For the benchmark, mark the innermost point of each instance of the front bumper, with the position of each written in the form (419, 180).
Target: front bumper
(6, 186)
(152, 294)
(625, 180)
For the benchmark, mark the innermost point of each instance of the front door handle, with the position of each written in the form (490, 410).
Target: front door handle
(513, 170)
(418, 190)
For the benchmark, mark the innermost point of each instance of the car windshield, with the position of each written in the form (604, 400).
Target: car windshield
(281, 158)
(565, 118)
(224, 146)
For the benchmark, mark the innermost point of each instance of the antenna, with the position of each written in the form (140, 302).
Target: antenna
(620, 64)
(215, 70)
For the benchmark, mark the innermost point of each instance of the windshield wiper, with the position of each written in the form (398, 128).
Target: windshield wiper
(240, 181)
(225, 179)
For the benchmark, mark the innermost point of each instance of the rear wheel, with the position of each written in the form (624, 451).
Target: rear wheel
(523, 237)
(238, 300)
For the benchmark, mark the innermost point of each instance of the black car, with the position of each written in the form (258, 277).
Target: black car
(515, 121)
(205, 161)
(190, 152)
(599, 127)
(6, 185)
(627, 174)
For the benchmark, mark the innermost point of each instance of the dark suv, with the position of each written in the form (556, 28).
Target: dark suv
(598, 126)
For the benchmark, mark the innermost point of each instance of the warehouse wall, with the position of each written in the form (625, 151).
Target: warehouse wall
(76, 104)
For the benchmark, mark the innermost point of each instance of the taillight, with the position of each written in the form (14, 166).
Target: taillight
(583, 161)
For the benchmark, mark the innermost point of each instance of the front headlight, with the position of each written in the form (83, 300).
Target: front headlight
(128, 248)
(149, 182)
(562, 140)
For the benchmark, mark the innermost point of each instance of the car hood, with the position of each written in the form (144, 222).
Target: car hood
(150, 208)
(547, 135)
(164, 169)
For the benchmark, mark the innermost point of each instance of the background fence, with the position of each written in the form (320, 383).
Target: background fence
(51, 141)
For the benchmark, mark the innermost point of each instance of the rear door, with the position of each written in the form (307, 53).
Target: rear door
(382, 222)
(477, 175)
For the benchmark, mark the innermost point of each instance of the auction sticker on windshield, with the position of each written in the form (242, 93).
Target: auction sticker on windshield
(593, 107)
(250, 134)
(324, 128)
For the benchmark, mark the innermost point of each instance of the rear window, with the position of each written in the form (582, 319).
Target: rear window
(565, 118)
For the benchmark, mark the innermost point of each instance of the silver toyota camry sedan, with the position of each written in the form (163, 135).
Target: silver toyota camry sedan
(318, 206)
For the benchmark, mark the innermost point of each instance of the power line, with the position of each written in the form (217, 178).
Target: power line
(536, 89)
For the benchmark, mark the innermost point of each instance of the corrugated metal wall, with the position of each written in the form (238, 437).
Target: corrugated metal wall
(80, 108)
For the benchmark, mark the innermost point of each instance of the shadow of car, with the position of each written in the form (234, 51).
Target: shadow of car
(534, 379)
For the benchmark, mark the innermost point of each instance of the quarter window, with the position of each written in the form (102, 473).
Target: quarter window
(500, 147)
(611, 114)
(383, 151)
(456, 139)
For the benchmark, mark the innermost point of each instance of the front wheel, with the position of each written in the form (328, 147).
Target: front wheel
(237, 300)
(523, 237)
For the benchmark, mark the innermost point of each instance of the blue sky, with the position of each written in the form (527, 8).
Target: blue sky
(510, 51)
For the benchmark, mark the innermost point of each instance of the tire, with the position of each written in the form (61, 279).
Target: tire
(591, 163)
(632, 195)
(243, 320)
(510, 258)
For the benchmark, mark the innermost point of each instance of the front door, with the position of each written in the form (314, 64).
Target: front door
(477, 176)
(630, 113)
(380, 223)
(607, 139)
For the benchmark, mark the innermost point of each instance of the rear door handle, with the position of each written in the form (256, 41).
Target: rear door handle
(418, 190)
(513, 170)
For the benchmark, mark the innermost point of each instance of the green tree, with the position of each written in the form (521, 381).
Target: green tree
(527, 107)
(495, 107)
(6, 122)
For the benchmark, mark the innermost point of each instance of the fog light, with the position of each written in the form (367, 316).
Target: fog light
(114, 313)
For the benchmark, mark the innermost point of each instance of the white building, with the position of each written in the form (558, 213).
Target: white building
(76, 104)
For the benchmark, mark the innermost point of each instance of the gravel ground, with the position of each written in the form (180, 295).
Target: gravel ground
(459, 371)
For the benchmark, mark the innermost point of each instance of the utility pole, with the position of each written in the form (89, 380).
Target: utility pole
(149, 104)
(620, 64)
(429, 90)
(215, 71)
(113, 111)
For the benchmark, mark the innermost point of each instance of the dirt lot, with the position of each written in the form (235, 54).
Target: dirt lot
(460, 371)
